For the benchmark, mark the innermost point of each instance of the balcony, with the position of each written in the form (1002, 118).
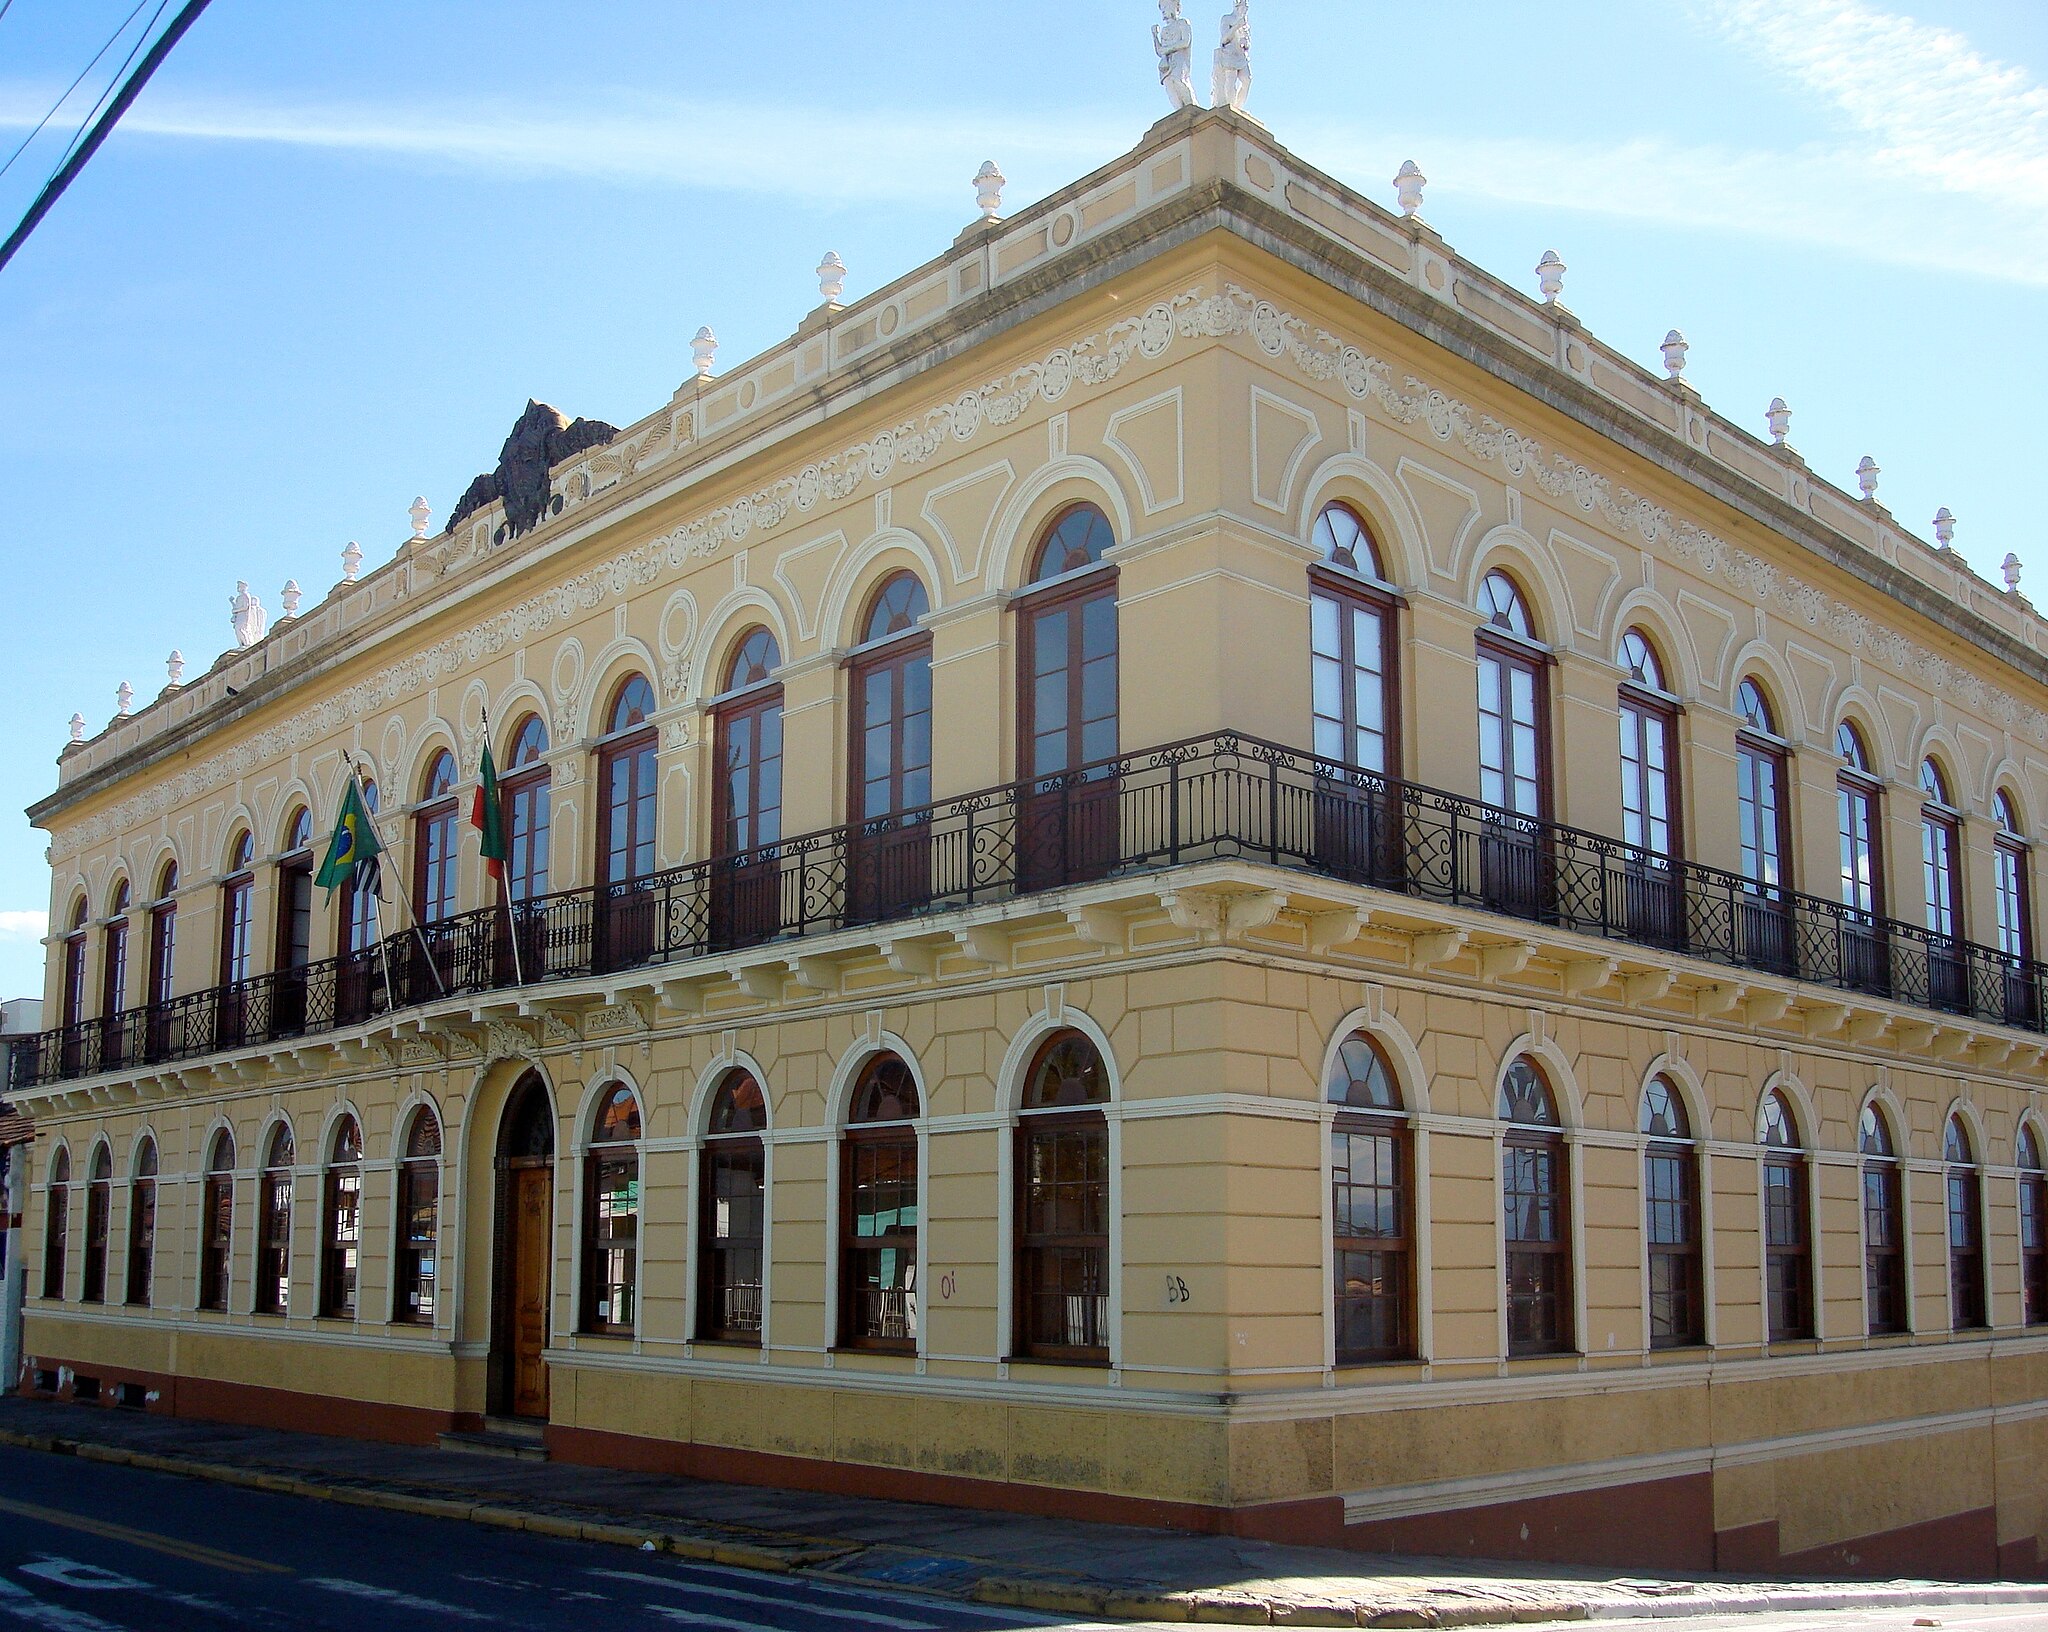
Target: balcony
(1217, 798)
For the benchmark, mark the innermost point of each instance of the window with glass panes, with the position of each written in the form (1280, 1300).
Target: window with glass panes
(1671, 1205)
(732, 1226)
(1965, 1196)
(2033, 1228)
(274, 1226)
(1062, 1279)
(142, 1226)
(1884, 1225)
(217, 1223)
(878, 1203)
(611, 1214)
(1788, 1240)
(419, 1221)
(1372, 1207)
(434, 831)
(1351, 647)
(99, 1218)
(341, 1231)
(1535, 1206)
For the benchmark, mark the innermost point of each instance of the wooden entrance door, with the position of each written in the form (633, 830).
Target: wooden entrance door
(530, 1197)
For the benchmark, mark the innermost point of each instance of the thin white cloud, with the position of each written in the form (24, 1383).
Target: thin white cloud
(893, 157)
(24, 926)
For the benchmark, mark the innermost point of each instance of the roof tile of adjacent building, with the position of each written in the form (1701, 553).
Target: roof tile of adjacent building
(1193, 172)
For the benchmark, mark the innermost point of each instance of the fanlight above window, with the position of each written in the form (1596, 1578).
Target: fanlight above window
(1502, 606)
(1755, 708)
(282, 1150)
(1849, 744)
(1525, 1096)
(1955, 1144)
(1874, 1133)
(618, 1117)
(1664, 1111)
(1639, 657)
(1933, 784)
(1776, 1127)
(753, 660)
(886, 1092)
(529, 743)
(440, 778)
(896, 608)
(1076, 539)
(1344, 541)
(2006, 815)
(348, 1141)
(1069, 1073)
(738, 1106)
(632, 706)
(1359, 1077)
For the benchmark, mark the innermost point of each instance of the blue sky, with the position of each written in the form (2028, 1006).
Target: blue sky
(333, 249)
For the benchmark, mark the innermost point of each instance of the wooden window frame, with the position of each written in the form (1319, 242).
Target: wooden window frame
(529, 790)
(1653, 710)
(238, 926)
(604, 1243)
(890, 660)
(1514, 655)
(1683, 1297)
(74, 974)
(1969, 1299)
(2033, 1224)
(271, 1294)
(57, 1227)
(217, 1239)
(99, 1223)
(1788, 1265)
(1350, 591)
(863, 1143)
(2015, 897)
(1557, 1252)
(1753, 748)
(114, 964)
(1858, 790)
(751, 707)
(1941, 851)
(163, 953)
(341, 1229)
(730, 1148)
(416, 1271)
(141, 1267)
(1398, 1249)
(437, 860)
(1071, 594)
(1031, 1246)
(1885, 1290)
(639, 810)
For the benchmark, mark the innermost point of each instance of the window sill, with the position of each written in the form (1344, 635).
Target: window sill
(875, 1351)
(1064, 1362)
(744, 1345)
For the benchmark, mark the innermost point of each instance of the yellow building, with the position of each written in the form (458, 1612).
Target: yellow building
(1079, 934)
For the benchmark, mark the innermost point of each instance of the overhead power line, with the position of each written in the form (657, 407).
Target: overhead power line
(80, 80)
(187, 16)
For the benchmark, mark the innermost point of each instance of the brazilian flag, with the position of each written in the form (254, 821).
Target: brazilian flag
(353, 846)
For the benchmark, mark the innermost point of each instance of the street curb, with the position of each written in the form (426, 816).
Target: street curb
(797, 1555)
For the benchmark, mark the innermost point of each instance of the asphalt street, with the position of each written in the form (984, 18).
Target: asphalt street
(88, 1547)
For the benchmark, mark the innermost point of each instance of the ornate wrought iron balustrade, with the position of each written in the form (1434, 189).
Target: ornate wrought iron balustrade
(1219, 797)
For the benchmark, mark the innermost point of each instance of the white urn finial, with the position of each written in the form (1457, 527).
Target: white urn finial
(174, 668)
(124, 700)
(1674, 349)
(1408, 184)
(988, 190)
(420, 510)
(1779, 418)
(78, 728)
(1550, 276)
(1944, 527)
(831, 277)
(351, 561)
(290, 596)
(1867, 473)
(704, 351)
(2010, 567)
(245, 612)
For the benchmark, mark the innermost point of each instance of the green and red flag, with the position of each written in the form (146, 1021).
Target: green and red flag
(353, 846)
(487, 815)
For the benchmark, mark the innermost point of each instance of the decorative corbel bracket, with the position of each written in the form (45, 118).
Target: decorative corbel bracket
(1767, 1008)
(1825, 1019)
(1583, 975)
(987, 944)
(914, 955)
(1648, 986)
(1505, 960)
(1712, 1002)
(1434, 947)
(1098, 926)
(1867, 1026)
(1329, 930)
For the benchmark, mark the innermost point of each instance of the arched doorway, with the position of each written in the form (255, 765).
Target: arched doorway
(522, 1251)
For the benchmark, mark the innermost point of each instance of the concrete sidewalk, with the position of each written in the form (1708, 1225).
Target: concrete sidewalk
(994, 1558)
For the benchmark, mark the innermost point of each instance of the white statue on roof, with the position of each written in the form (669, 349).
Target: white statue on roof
(247, 612)
(1173, 37)
(1231, 78)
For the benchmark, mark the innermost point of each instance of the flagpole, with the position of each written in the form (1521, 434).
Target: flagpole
(504, 890)
(419, 933)
(383, 950)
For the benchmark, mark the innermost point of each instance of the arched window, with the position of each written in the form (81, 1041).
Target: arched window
(99, 1217)
(524, 796)
(1764, 815)
(142, 1226)
(433, 841)
(359, 900)
(1788, 1236)
(1514, 751)
(236, 917)
(1351, 648)
(163, 947)
(746, 896)
(419, 1220)
(1372, 1207)
(1941, 867)
(611, 1215)
(878, 1211)
(341, 1230)
(1671, 1200)
(1966, 1304)
(890, 754)
(217, 1223)
(1062, 1276)
(732, 1226)
(274, 1226)
(114, 954)
(1864, 961)
(74, 991)
(1067, 705)
(56, 1223)
(114, 1041)
(295, 893)
(1534, 1198)
(1884, 1225)
(2013, 887)
(1649, 750)
(626, 826)
(2033, 1228)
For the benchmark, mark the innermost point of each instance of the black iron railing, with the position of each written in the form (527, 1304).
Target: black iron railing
(1211, 798)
